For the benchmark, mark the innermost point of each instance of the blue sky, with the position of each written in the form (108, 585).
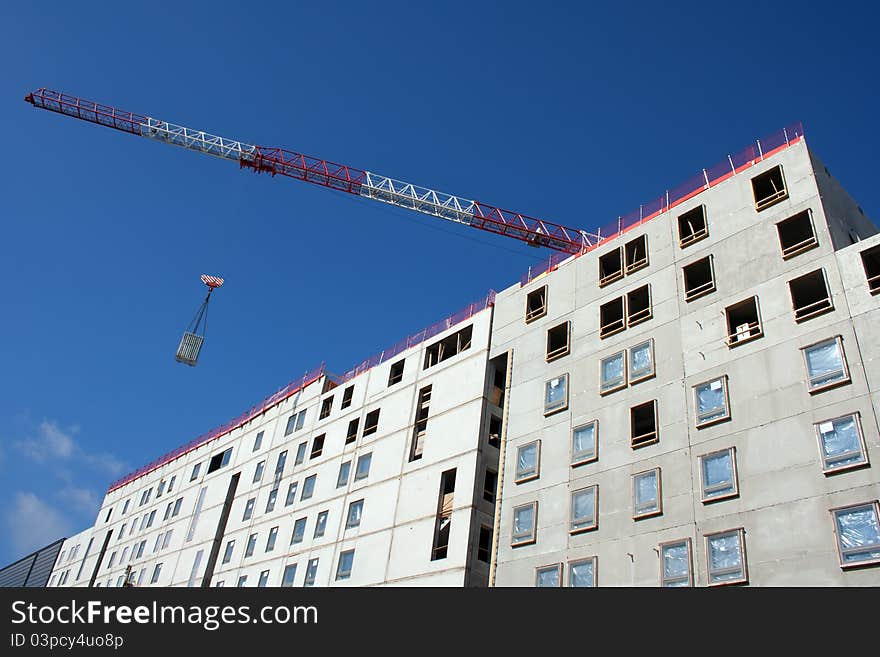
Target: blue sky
(575, 112)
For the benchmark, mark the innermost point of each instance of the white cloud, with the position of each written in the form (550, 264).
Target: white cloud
(31, 523)
(52, 444)
(81, 499)
(108, 463)
(49, 443)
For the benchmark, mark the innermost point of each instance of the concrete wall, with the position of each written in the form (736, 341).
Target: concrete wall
(846, 219)
(784, 497)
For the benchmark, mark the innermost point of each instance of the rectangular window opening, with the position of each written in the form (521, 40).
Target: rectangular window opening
(582, 573)
(362, 468)
(584, 443)
(841, 444)
(692, 226)
(769, 188)
(871, 263)
(524, 523)
(317, 446)
(743, 322)
(484, 544)
(796, 234)
(352, 433)
(712, 401)
(612, 373)
(443, 522)
(396, 373)
(641, 361)
(326, 407)
(611, 266)
(528, 462)
(584, 509)
(611, 319)
(636, 254)
(355, 512)
(718, 478)
(699, 278)
(857, 529)
(371, 422)
(308, 487)
(647, 496)
(556, 394)
(347, 394)
(810, 295)
(638, 305)
(346, 561)
(300, 453)
(490, 485)
(558, 341)
(726, 556)
(826, 365)
(448, 347)
(643, 424)
(421, 424)
(495, 431)
(676, 564)
(548, 576)
(219, 460)
(536, 304)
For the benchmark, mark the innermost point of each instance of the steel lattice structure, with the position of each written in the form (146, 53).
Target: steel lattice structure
(278, 161)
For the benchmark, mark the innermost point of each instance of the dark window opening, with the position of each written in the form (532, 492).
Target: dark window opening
(326, 407)
(371, 423)
(699, 278)
(495, 431)
(396, 374)
(558, 341)
(219, 460)
(611, 317)
(536, 304)
(636, 252)
(490, 484)
(810, 295)
(346, 397)
(498, 383)
(796, 234)
(484, 545)
(352, 433)
(692, 226)
(611, 267)
(638, 305)
(769, 188)
(871, 263)
(448, 347)
(743, 322)
(317, 446)
(443, 523)
(643, 424)
(421, 424)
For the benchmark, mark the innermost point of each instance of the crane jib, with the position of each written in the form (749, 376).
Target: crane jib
(341, 177)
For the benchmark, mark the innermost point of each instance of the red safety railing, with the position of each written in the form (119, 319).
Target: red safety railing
(290, 389)
(707, 178)
(425, 334)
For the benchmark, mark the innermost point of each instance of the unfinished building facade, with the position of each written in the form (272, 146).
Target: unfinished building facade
(695, 401)
(376, 477)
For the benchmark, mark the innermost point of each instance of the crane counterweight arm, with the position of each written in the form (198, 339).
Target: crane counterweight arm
(279, 161)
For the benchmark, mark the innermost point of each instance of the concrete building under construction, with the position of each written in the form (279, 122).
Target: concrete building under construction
(691, 400)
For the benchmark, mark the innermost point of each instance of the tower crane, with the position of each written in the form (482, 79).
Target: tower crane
(341, 177)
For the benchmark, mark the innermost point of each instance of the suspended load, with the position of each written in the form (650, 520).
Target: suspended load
(194, 336)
